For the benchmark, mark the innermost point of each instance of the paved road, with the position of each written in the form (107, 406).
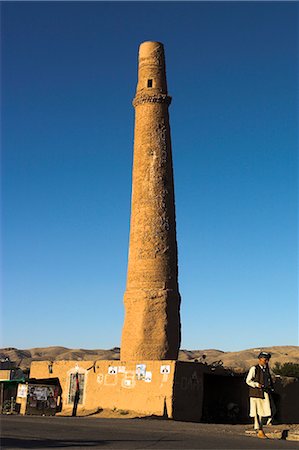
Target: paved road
(19, 432)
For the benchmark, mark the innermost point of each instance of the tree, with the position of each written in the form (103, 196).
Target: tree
(286, 370)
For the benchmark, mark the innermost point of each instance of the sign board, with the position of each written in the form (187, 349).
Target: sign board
(22, 390)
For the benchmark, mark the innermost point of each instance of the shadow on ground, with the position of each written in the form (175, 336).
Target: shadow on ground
(60, 443)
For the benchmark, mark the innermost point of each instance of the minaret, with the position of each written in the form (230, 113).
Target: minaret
(152, 329)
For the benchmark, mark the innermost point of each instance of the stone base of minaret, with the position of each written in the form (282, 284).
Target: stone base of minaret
(149, 339)
(169, 389)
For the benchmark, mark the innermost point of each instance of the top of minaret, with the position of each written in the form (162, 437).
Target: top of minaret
(152, 52)
(151, 73)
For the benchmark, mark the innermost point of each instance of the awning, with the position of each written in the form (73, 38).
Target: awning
(17, 380)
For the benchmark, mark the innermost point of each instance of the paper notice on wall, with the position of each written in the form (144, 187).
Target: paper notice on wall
(121, 369)
(112, 370)
(148, 377)
(140, 371)
(165, 369)
(22, 390)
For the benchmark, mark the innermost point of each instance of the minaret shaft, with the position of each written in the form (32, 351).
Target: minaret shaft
(152, 321)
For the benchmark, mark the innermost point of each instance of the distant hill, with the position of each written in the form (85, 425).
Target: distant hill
(238, 361)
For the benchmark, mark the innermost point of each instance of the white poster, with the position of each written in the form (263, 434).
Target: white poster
(121, 369)
(22, 390)
(165, 369)
(148, 377)
(112, 370)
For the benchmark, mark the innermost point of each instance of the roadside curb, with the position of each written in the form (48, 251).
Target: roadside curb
(276, 434)
(292, 437)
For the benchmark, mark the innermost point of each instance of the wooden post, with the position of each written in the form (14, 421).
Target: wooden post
(77, 396)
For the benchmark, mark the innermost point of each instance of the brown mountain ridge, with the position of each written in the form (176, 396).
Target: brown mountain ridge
(238, 361)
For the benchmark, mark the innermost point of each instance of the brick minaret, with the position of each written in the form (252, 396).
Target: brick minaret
(152, 301)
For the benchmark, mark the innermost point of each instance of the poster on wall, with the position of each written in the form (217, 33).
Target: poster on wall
(22, 390)
(42, 395)
(121, 369)
(140, 371)
(112, 370)
(165, 369)
(148, 377)
(40, 392)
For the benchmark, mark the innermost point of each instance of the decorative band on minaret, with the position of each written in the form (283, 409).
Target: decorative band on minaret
(152, 329)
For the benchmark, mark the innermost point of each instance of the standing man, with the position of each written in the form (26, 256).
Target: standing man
(260, 388)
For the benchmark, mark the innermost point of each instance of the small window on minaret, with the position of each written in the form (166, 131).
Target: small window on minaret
(149, 83)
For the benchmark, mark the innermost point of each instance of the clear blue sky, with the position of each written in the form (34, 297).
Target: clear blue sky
(69, 72)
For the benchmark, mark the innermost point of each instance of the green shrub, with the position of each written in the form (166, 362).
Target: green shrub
(286, 370)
